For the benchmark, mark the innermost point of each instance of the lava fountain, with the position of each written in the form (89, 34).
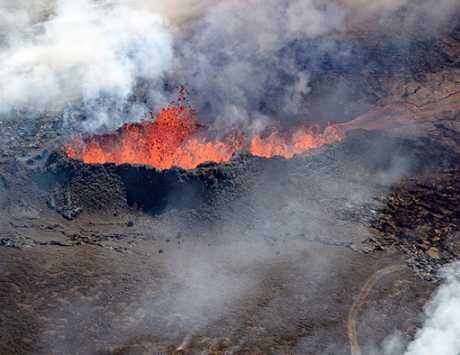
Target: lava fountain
(173, 137)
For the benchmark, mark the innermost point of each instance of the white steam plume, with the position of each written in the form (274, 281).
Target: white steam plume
(85, 50)
(177, 11)
(440, 334)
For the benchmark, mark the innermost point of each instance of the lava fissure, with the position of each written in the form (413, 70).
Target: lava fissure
(173, 137)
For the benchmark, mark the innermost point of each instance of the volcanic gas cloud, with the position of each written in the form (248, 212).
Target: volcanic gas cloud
(173, 137)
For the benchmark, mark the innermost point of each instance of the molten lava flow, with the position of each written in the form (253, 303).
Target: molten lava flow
(300, 140)
(174, 138)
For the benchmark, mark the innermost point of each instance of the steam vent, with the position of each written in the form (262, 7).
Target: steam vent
(230, 177)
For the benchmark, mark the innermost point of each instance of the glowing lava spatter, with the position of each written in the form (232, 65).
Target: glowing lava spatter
(174, 138)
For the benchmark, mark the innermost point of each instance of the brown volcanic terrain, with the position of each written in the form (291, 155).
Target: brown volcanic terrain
(329, 252)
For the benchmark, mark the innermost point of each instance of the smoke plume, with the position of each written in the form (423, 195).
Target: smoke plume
(240, 60)
(440, 334)
(248, 62)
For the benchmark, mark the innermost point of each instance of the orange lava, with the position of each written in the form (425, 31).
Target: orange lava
(174, 138)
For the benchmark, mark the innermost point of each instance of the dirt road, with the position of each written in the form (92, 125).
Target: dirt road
(355, 349)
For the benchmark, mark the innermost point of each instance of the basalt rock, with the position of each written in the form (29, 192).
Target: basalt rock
(422, 215)
(76, 185)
